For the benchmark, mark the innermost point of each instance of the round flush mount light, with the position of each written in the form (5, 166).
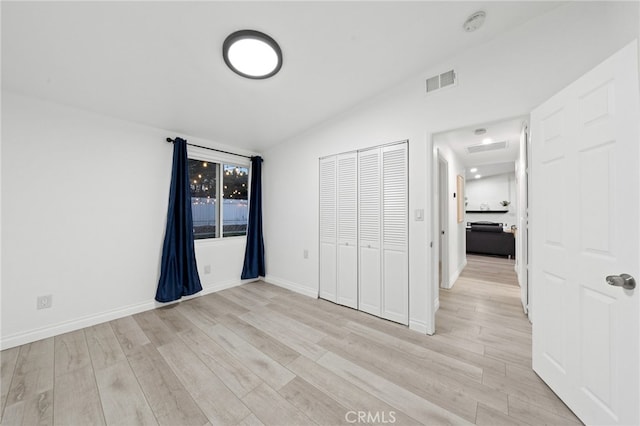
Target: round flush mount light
(474, 21)
(252, 54)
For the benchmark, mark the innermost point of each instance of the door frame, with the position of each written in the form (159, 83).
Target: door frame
(433, 155)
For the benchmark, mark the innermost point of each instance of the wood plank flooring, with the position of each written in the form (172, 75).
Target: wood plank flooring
(261, 355)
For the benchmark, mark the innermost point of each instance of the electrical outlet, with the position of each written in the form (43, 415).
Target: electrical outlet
(305, 254)
(44, 302)
(207, 269)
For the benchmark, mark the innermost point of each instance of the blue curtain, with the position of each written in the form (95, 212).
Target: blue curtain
(254, 252)
(178, 272)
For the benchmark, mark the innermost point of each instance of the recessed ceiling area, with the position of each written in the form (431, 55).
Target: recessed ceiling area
(488, 162)
(159, 63)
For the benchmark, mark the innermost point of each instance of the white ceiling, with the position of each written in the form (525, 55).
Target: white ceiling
(491, 162)
(160, 63)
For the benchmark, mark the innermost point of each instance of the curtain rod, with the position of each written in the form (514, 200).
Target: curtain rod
(212, 149)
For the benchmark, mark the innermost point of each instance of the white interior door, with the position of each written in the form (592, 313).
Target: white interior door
(522, 217)
(395, 237)
(584, 226)
(443, 219)
(369, 207)
(328, 229)
(347, 210)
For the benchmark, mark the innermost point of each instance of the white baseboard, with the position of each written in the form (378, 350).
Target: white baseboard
(220, 286)
(457, 273)
(418, 325)
(292, 286)
(29, 336)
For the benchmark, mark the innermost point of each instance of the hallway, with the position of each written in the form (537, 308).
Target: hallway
(483, 314)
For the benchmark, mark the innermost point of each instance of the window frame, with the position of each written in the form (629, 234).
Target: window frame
(201, 154)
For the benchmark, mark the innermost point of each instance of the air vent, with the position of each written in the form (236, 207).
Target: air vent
(474, 149)
(433, 83)
(441, 81)
(447, 79)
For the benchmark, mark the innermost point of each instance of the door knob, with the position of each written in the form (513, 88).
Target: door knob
(622, 280)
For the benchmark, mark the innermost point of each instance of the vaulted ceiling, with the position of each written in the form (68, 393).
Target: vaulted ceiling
(160, 63)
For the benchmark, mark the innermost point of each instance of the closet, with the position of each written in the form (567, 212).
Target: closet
(364, 230)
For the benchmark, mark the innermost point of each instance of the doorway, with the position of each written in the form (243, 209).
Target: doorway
(491, 160)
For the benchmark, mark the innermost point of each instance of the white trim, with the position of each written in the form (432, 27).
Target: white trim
(457, 273)
(90, 320)
(436, 304)
(418, 325)
(206, 242)
(223, 285)
(295, 287)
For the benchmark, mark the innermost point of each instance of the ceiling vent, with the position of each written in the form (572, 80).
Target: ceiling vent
(441, 81)
(474, 149)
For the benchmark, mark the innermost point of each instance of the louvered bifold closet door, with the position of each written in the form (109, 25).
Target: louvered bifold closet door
(328, 228)
(369, 205)
(395, 260)
(347, 208)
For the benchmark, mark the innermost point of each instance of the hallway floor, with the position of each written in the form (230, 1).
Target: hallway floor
(483, 314)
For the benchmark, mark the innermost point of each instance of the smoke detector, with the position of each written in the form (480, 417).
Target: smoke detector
(480, 131)
(474, 21)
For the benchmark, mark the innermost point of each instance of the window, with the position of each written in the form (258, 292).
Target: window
(235, 200)
(210, 183)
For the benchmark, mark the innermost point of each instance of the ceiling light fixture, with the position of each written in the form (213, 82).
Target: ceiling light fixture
(487, 141)
(480, 131)
(252, 54)
(478, 176)
(473, 170)
(474, 21)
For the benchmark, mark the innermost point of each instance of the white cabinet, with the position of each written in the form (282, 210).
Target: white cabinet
(364, 231)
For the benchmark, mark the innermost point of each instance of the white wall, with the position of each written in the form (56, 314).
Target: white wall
(507, 77)
(492, 190)
(84, 202)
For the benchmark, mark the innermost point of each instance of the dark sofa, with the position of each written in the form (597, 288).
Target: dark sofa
(489, 238)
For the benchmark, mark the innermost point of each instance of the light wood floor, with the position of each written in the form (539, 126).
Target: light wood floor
(258, 354)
